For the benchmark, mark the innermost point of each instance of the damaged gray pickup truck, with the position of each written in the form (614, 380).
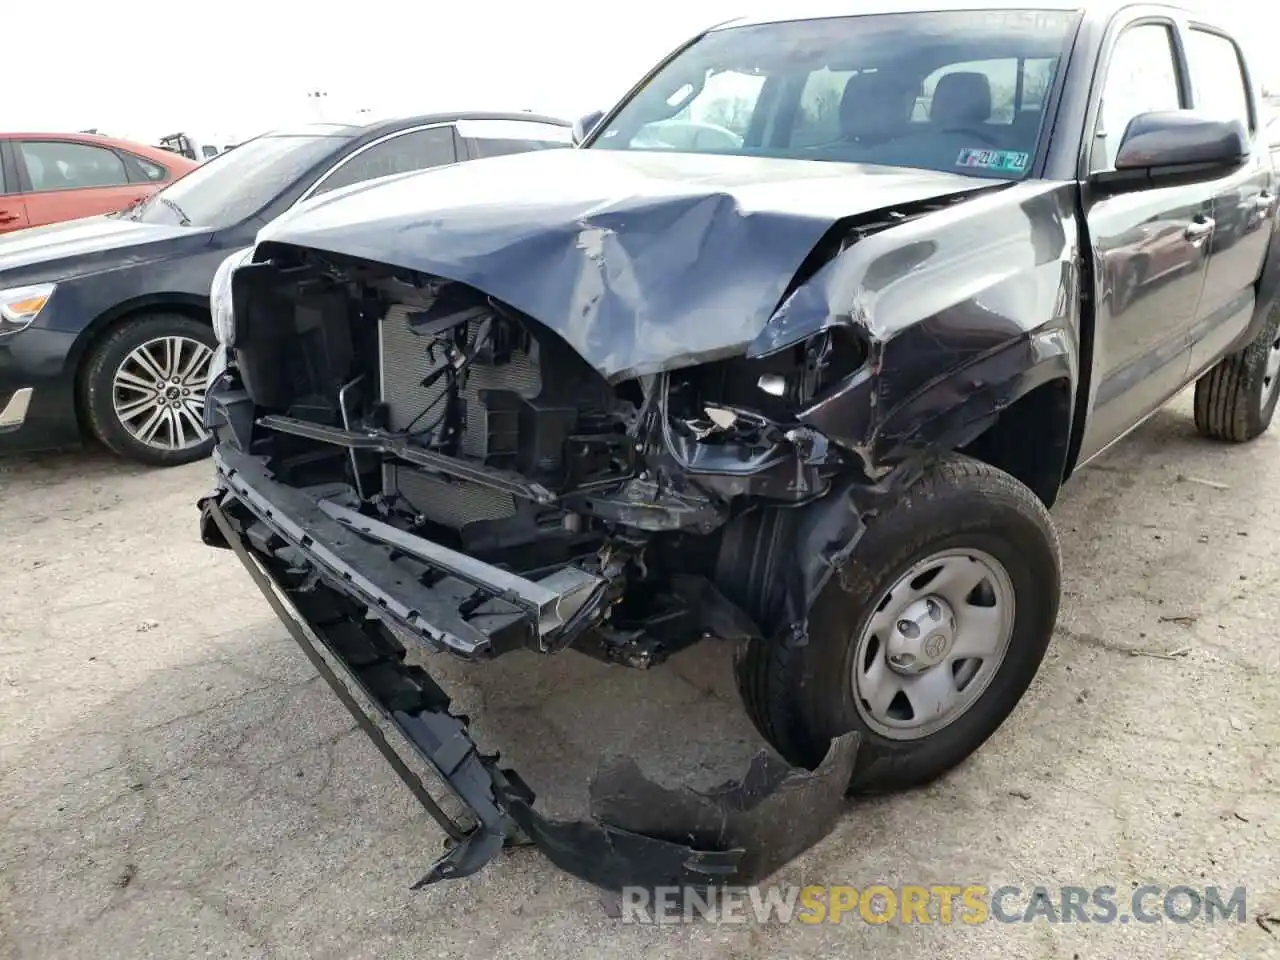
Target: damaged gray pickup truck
(790, 354)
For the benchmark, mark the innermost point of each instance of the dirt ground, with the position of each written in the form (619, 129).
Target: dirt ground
(176, 782)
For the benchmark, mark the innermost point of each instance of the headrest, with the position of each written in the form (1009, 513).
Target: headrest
(872, 102)
(961, 99)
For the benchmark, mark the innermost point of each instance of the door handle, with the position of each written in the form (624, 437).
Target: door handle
(1263, 201)
(6, 217)
(1199, 228)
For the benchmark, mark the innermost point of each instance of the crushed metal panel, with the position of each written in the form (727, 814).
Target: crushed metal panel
(642, 262)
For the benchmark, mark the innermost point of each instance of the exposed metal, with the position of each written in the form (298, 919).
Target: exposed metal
(1271, 376)
(938, 638)
(405, 364)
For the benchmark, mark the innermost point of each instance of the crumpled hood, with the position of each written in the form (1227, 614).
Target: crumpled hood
(641, 261)
(81, 246)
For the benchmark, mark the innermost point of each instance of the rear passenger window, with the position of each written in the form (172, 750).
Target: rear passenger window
(153, 171)
(63, 165)
(1217, 77)
(144, 171)
(403, 153)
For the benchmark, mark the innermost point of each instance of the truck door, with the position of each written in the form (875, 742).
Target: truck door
(1148, 246)
(1243, 203)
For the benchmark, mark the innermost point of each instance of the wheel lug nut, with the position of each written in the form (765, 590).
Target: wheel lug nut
(908, 629)
(932, 607)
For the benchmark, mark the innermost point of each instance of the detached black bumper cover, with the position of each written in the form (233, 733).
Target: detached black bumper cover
(640, 834)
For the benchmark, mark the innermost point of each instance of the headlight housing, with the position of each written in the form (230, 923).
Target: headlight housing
(19, 306)
(224, 324)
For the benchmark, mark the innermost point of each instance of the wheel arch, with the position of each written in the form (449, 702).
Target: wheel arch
(1030, 439)
(98, 329)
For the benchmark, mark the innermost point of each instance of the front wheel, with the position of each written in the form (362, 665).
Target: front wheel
(143, 388)
(926, 640)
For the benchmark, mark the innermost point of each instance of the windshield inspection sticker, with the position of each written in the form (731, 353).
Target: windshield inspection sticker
(1012, 161)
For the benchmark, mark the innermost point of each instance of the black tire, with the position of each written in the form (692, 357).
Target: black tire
(1234, 399)
(800, 697)
(97, 390)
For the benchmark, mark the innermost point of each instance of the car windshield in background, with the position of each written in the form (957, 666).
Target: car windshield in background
(961, 91)
(233, 186)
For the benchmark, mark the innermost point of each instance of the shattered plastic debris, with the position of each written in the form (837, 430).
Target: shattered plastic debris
(646, 835)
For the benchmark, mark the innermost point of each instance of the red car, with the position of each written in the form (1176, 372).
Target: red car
(50, 177)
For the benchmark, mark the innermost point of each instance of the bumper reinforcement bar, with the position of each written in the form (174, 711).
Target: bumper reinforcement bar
(368, 557)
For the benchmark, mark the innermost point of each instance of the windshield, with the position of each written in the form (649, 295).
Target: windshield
(235, 185)
(952, 91)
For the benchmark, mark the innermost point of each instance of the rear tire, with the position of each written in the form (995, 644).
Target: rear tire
(143, 388)
(1235, 400)
(800, 697)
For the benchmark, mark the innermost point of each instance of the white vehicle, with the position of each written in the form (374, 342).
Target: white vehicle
(191, 148)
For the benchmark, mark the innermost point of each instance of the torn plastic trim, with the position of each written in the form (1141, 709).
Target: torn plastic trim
(688, 482)
(336, 541)
(640, 834)
(885, 430)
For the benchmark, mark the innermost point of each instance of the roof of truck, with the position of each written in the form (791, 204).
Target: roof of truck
(818, 9)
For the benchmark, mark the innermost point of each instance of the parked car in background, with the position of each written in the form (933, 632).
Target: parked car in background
(188, 146)
(104, 322)
(50, 177)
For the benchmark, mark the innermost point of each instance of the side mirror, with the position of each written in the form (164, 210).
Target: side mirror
(584, 125)
(1172, 148)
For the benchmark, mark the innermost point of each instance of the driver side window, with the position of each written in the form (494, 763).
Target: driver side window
(1142, 77)
(717, 117)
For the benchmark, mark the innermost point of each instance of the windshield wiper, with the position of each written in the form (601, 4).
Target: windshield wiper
(183, 219)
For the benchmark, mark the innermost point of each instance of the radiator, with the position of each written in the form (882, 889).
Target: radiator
(405, 364)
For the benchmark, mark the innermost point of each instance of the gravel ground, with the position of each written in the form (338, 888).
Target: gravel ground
(176, 782)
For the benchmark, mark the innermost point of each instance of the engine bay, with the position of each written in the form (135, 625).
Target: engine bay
(444, 415)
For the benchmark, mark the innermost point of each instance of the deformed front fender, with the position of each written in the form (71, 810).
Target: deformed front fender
(963, 312)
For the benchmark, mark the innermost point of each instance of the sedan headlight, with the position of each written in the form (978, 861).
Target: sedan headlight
(224, 324)
(20, 305)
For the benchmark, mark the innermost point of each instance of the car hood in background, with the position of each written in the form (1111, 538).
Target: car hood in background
(82, 246)
(642, 261)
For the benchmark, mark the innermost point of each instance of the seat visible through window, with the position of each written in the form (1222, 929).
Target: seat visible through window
(961, 100)
(874, 107)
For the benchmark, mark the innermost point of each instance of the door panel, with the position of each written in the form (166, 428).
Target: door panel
(13, 210)
(1242, 206)
(1149, 249)
(60, 205)
(13, 213)
(66, 180)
